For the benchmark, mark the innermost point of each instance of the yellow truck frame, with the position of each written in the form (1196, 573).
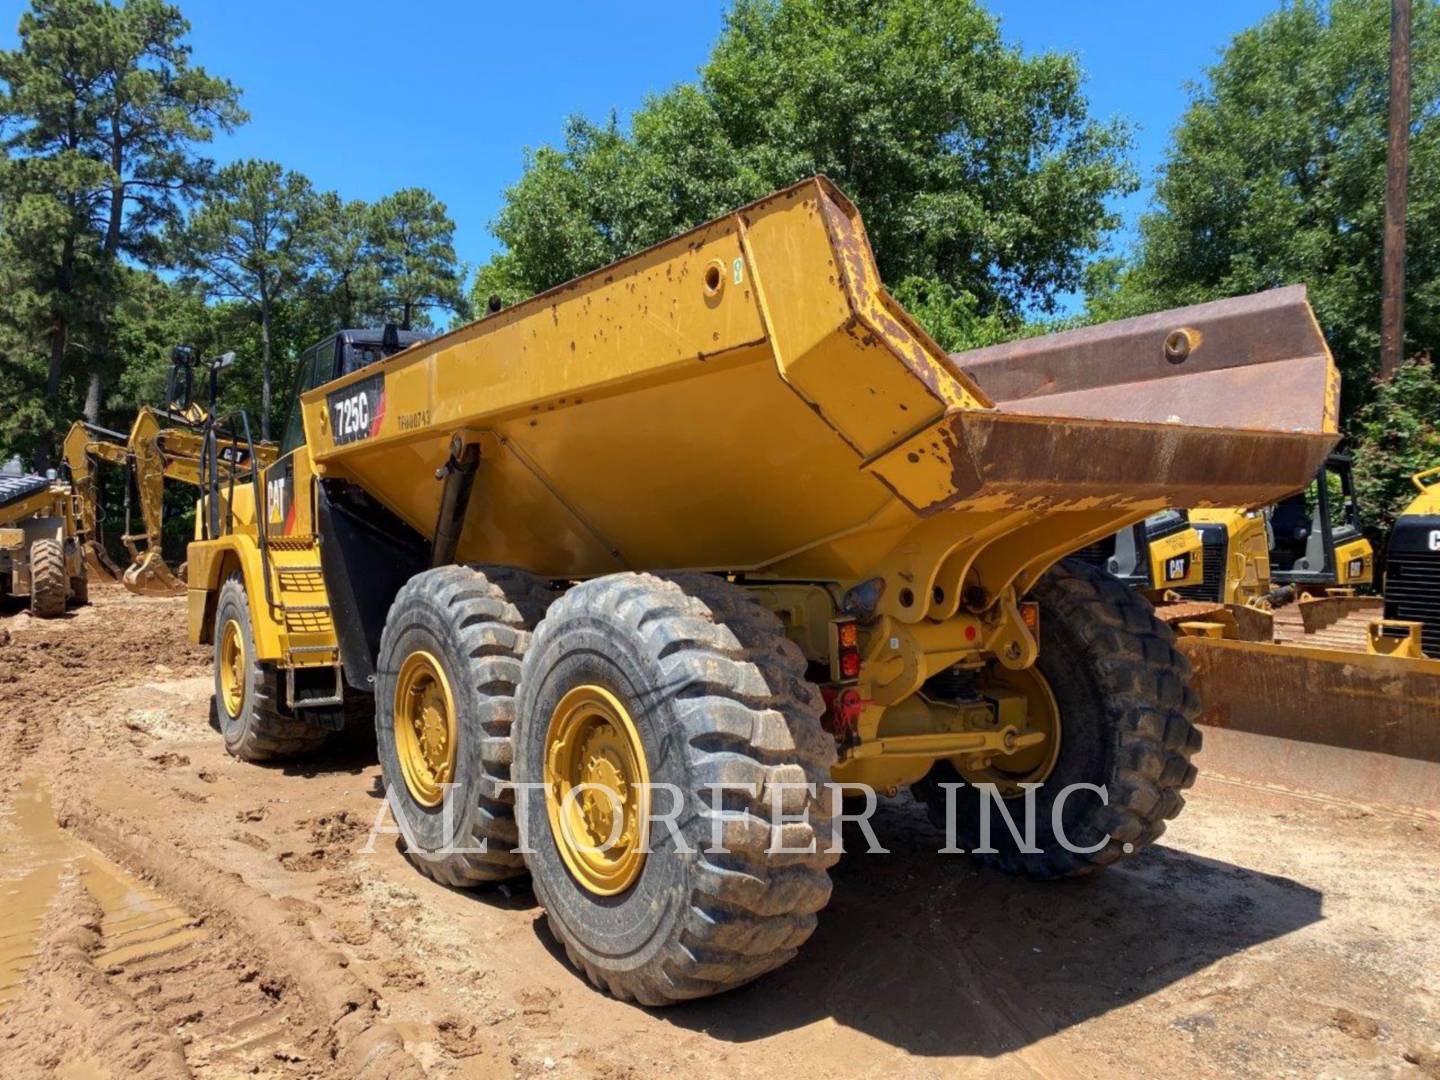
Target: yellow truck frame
(722, 516)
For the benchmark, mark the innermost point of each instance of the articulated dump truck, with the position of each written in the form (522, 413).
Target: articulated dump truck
(634, 569)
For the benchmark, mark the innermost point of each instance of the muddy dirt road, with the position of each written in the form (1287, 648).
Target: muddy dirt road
(167, 911)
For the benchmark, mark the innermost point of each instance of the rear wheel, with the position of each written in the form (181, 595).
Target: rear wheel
(1113, 691)
(444, 701)
(251, 725)
(691, 687)
(48, 582)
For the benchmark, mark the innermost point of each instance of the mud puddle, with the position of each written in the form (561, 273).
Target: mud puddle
(35, 856)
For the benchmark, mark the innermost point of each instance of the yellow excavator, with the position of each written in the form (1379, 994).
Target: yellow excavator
(162, 444)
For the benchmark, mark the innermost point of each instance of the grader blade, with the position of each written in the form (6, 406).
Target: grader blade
(1337, 722)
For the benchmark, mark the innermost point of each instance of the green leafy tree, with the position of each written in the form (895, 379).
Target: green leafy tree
(347, 279)
(413, 243)
(1394, 436)
(983, 179)
(1276, 175)
(253, 239)
(102, 113)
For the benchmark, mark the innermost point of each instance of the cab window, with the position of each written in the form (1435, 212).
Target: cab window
(316, 366)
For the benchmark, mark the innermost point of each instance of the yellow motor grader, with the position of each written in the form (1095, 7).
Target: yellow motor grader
(634, 570)
(40, 553)
(162, 444)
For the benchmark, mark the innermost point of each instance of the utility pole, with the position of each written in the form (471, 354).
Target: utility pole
(1397, 164)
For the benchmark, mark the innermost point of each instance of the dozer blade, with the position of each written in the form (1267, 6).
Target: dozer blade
(1342, 723)
(149, 576)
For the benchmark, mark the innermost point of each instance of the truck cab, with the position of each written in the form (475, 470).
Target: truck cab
(329, 358)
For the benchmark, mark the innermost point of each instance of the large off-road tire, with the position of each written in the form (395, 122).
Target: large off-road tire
(1126, 713)
(250, 721)
(48, 582)
(715, 697)
(474, 625)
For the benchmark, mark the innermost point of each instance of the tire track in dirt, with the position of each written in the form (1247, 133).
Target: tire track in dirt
(224, 975)
(70, 1011)
(343, 1010)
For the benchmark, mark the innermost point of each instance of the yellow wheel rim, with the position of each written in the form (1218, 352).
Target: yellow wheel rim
(425, 728)
(597, 792)
(1033, 764)
(232, 667)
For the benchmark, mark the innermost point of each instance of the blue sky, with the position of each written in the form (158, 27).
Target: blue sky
(365, 97)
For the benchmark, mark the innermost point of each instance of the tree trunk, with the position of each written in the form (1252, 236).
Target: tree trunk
(59, 344)
(59, 332)
(406, 324)
(92, 393)
(265, 367)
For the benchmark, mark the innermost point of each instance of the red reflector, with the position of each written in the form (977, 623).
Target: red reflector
(849, 663)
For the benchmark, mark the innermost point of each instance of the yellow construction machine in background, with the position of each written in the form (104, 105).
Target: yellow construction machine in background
(1156, 556)
(162, 444)
(1338, 693)
(721, 523)
(40, 553)
(1309, 543)
(1412, 573)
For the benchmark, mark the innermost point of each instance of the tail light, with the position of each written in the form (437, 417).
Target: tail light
(845, 650)
(1030, 616)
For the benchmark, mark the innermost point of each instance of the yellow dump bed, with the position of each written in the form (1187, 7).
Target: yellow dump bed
(747, 396)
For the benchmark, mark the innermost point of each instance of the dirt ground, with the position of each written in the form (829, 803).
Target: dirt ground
(168, 911)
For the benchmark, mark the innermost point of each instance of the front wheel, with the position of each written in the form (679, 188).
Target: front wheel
(48, 582)
(252, 727)
(1112, 692)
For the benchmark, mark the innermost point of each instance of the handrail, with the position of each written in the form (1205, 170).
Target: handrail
(1431, 474)
(215, 427)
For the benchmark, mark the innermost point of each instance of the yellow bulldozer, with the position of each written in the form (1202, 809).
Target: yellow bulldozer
(637, 571)
(1412, 572)
(1309, 543)
(162, 444)
(40, 554)
(1342, 698)
(1158, 556)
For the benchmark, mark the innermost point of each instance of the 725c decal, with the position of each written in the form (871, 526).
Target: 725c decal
(356, 410)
